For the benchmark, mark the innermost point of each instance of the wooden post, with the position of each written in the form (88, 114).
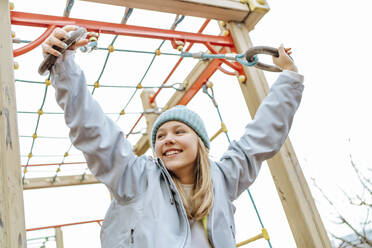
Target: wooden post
(12, 220)
(150, 115)
(302, 214)
(59, 237)
(46, 182)
(257, 9)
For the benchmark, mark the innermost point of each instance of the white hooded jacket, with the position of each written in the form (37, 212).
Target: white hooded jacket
(147, 211)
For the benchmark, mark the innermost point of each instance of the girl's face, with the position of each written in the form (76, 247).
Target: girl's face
(176, 145)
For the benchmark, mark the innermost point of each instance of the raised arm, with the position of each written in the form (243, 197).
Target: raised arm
(265, 135)
(109, 155)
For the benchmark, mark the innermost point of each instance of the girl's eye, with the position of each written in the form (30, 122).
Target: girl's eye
(179, 131)
(159, 136)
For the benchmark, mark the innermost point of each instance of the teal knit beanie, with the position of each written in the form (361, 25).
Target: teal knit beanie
(185, 115)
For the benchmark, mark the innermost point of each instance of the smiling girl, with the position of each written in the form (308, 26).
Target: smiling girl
(181, 198)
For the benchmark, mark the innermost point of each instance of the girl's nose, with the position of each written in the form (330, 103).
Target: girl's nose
(169, 140)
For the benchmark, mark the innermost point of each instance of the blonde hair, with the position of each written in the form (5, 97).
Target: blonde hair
(202, 193)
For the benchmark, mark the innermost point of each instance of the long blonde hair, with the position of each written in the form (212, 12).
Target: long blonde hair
(202, 193)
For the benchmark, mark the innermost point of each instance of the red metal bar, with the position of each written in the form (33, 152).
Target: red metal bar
(197, 85)
(70, 224)
(152, 99)
(37, 20)
(236, 66)
(135, 124)
(24, 165)
(226, 71)
(35, 43)
(200, 81)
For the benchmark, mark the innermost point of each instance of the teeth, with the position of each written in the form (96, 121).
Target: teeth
(171, 153)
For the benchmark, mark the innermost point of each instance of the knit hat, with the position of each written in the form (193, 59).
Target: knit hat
(185, 115)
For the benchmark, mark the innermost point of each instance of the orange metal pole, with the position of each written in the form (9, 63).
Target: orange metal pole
(152, 99)
(135, 124)
(52, 164)
(201, 80)
(38, 20)
(35, 43)
(63, 225)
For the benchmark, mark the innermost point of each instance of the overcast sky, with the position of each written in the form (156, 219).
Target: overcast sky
(330, 44)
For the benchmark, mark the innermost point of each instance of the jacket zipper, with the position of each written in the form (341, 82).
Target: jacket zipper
(168, 188)
(158, 162)
(232, 231)
(162, 167)
(132, 236)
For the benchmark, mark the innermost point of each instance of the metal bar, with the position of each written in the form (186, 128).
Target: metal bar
(62, 225)
(152, 99)
(38, 20)
(135, 124)
(30, 165)
(34, 43)
(235, 66)
(199, 83)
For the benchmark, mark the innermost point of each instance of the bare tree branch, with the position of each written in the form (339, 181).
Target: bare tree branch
(361, 237)
(359, 228)
(362, 179)
(340, 216)
(344, 241)
(363, 202)
(351, 200)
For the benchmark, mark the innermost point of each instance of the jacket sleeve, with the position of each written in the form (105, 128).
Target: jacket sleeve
(109, 155)
(263, 136)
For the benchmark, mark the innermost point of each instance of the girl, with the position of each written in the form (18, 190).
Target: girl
(180, 198)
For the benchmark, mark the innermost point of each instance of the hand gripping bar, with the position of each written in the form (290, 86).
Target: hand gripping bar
(249, 55)
(50, 59)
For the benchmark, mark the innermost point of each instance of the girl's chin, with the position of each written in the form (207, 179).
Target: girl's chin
(172, 165)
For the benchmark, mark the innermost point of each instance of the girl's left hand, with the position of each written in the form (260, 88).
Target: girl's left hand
(284, 61)
(55, 39)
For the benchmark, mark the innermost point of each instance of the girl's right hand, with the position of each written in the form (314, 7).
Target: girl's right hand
(284, 61)
(55, 39)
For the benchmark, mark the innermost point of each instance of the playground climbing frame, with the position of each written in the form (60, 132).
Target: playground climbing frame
(302, 215)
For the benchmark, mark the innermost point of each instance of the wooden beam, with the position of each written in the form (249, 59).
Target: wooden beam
(214, 9)
(302, 214)
(149, 108)
(46, 182)
(12, 220)
(150, 116)
(142, 145)
(248, 12)
(258, 8)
